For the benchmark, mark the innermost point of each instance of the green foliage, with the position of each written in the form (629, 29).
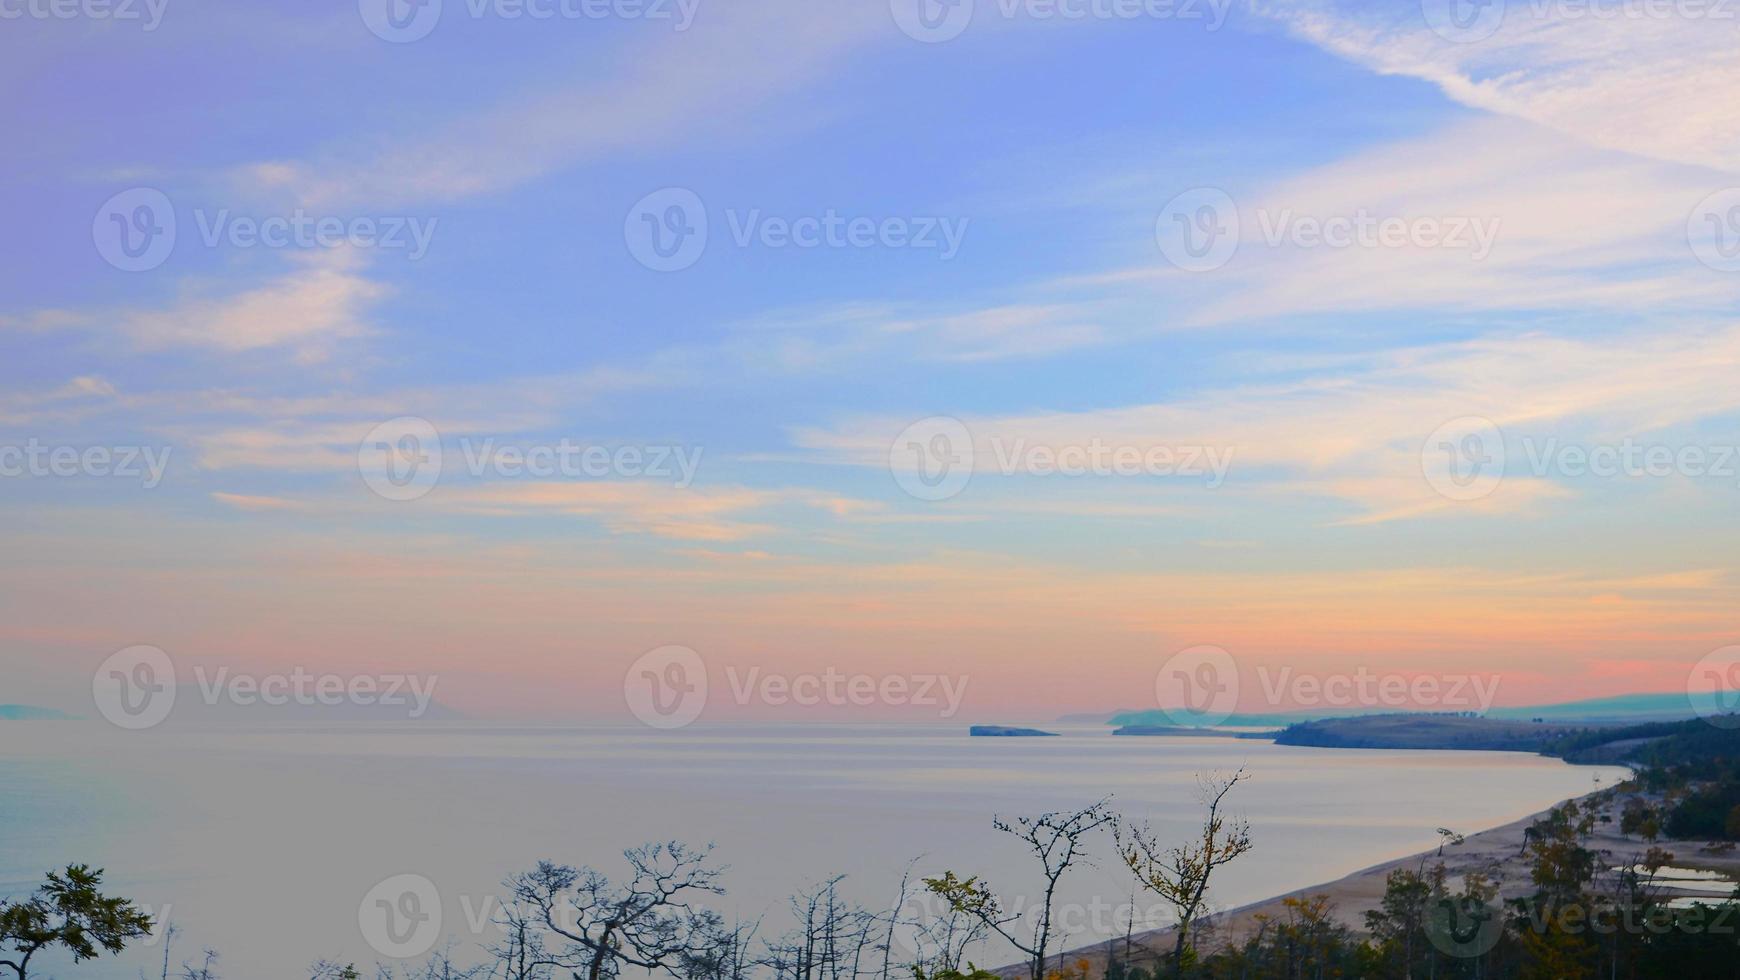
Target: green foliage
(970, 973)
(68, 910)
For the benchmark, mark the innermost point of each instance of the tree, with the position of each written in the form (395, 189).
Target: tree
(1180, 875)
(830, 941)
(647, 923)
(1398, 924)
(1057, 840)
(68, 910)
(1554, 942)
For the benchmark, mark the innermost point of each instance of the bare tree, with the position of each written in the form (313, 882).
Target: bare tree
(1057, 840)
(519, 954)
(938, 942)
(727, 957)
(170, 931)
(830, 940)
(439, 966)
(647, 923)
(1180, 875)
(206, 970)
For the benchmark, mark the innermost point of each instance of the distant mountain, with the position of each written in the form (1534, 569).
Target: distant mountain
(1092, 718)
(1624, 708)
(25, 712)
(1155, 718)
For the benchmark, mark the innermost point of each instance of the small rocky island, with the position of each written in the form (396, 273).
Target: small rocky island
(1004, 731)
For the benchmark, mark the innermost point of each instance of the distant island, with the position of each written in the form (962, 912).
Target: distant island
(1004, 731)
(25, 712)
(1624, 709)
(1426, 731)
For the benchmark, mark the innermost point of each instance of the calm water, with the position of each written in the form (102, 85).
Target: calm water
(263, 843)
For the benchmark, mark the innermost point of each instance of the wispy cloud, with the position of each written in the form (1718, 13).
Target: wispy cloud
(733, 60)
(1356, 433)
(1648, 79)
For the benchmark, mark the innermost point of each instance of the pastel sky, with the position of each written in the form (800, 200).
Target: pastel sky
(1600, 312)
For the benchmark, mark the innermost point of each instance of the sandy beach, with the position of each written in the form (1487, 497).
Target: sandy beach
(1497, 852)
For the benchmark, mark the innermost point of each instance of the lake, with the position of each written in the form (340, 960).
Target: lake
(263, 843)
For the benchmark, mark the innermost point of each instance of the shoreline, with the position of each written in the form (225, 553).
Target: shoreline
(1496, 851)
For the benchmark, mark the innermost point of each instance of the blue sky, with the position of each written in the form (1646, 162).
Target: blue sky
(1592, 149)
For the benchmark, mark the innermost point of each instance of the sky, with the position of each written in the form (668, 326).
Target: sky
(1019, 342)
